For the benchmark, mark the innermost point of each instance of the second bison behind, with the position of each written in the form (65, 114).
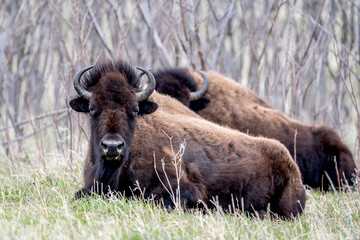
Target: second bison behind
(232, 105)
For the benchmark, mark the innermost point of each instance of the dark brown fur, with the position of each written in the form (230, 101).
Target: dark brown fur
(178, 83)
(217, 162)
(234, 106)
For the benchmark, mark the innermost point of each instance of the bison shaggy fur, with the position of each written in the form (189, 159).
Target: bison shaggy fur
(218, 163)
(318, 149)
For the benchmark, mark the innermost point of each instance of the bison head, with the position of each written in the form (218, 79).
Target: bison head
(340, 165)
(179, 84)
(110, 95)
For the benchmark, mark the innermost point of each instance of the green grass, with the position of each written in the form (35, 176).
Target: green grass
(38, 205)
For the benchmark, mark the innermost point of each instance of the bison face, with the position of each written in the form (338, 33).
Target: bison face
(112, 101)
(112, 128)
(340, 164)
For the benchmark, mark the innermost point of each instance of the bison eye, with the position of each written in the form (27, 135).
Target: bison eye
(135, 110)
(92, 109)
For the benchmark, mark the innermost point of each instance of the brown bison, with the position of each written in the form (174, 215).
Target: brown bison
(232, 105)
(130, 133)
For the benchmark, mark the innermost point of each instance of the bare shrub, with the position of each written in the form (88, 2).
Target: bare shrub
(301, 56)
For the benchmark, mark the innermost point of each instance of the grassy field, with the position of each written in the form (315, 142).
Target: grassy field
(38, 205)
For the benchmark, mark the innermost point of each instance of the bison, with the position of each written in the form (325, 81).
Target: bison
(318, 149)
(131, 130)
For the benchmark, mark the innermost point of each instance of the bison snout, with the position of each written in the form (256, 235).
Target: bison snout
(112, 150)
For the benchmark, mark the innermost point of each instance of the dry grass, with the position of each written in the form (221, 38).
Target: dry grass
(35, 204)
(38, 205)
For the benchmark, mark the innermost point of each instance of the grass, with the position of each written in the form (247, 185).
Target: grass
(38, 205)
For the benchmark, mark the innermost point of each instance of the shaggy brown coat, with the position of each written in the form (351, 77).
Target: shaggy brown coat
(253, 173)
(237, 107)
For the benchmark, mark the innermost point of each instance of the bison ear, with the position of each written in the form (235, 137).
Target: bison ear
(147, 107)
(79, 104)
(199, 104)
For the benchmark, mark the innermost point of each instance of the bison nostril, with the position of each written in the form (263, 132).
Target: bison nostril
(104, 145)
(120, 146)
(111, 147)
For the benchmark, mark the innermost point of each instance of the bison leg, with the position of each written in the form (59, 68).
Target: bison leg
(82, 193)
(189, 196)
(291, 203)
(92, 183)
(288, 193)
(289, 198)
(90, 189)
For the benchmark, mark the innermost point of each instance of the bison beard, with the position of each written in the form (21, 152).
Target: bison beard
(217, 163)
(234, 106)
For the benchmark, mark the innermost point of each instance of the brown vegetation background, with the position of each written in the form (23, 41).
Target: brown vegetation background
(301, 56)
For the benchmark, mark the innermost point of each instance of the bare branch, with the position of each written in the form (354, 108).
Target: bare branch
(222, 34)
(49, 114)
(36, 131)
(145, 13)
(247, 31)
(100, 32)
(269, 33)
(338, 42)
(313, 34)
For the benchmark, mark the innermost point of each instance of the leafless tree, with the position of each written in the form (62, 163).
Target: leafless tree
(301, 56)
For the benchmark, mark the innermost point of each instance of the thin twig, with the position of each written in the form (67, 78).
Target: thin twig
(314, 32)
(337, 173)
(222, 34)
(338, 42)
(145, 13)
(22, 137)
(269, 33)
(8, 149)
(126, 31)
(42, 158)
(57, 134)
(252, 47)
(183, 20)
(38, 117)
(198, 39)
(295, 135)
(100, 32)
(71, 141)
(213, 11)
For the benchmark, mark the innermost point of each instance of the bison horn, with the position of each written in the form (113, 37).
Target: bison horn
(198, 94)
(143, 95)
(78, 86)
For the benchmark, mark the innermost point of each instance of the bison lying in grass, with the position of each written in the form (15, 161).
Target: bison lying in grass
(232, 105)
(128, 128)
